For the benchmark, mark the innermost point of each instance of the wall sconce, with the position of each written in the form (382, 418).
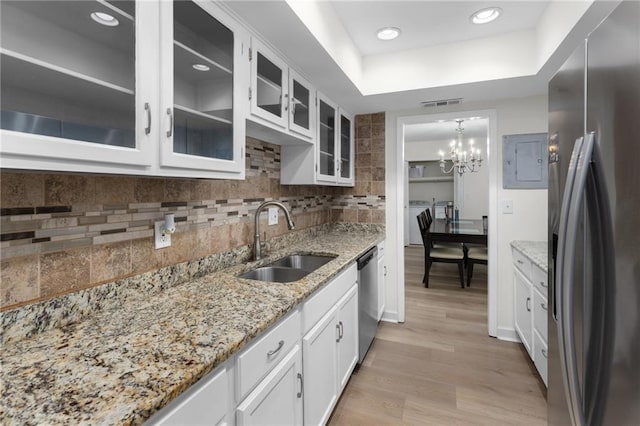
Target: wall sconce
(164, 229)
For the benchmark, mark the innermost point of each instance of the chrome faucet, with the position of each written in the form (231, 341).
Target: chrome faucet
(257, 245)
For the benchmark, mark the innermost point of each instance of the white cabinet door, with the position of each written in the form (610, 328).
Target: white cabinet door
(522, 306)
(269, 88)
(301, 105)
(319, 349)
(326, 146)
(200, 126)
(277, 400)
(348, 335)
(78, 85)
(345, 149)
(205, 403)
(382, 272)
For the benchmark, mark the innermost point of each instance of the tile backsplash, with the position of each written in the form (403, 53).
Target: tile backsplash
(61, 233)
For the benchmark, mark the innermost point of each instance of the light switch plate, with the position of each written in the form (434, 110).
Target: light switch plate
(273, 215)
(161, 242)
(507, 206)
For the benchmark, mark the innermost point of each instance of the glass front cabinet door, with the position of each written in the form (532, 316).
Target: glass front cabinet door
(326, 166)
(345, 163)
(200, 128)
(279, 97)
(74, 92)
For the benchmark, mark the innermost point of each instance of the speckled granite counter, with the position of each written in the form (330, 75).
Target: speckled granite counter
(536, 251)
(121, 365)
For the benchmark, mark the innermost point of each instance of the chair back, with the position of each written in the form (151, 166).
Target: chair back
(424, 223)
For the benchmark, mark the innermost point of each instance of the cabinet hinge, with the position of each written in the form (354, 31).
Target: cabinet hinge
(249, 93)
(250, 54)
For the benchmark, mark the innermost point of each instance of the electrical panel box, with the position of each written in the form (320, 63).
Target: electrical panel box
(525, 161)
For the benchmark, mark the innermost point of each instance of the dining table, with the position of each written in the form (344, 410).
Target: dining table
(469, 231)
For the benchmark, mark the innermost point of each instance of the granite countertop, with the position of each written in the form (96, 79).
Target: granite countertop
(121, 365)
(536, 251)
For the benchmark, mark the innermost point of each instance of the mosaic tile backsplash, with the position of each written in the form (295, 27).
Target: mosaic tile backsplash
(62, 233)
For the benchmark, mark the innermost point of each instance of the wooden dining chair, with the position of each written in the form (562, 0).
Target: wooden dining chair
(444, 255)
(475, 255)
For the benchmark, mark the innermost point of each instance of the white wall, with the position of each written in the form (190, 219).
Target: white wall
(474, 196)
(529, 218)
(426, 191)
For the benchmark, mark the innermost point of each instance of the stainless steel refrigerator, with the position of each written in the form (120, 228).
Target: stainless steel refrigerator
(594, 228)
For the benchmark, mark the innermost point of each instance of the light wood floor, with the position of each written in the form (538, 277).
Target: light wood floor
(440, 367)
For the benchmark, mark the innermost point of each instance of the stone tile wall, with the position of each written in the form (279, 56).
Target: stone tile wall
(61, 233)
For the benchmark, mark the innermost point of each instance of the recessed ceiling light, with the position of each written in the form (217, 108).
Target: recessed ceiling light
(201, 67)
(484, 16)
(104, 19)
(388, 33)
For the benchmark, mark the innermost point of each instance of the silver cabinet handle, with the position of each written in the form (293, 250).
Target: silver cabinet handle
(341, 330)
(544, 353)
(286, 101)
(544, 284)
(170, 131)
(528, 304)
(147, 108)
(543, 306)
(299, 395)
(385, 270)
(338, 330)
(276, 350)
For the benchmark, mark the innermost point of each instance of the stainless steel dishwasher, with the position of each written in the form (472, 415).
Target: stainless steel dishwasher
(367, 300)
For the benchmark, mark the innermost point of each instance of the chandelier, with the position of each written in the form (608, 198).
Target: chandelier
(462, 160)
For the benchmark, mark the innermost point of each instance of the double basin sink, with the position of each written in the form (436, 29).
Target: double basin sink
(288, 269)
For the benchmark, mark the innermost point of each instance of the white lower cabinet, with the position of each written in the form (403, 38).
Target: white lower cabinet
(348, 336)
(277, 400)
(531, 309)
(320, 359)
(382, 273)
(205, 403)
(523, 303)
(277, 380)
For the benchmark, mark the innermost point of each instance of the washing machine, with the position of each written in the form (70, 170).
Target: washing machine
(415, 208)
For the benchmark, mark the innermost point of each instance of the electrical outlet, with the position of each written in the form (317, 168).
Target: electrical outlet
(507, 206)
(273, 215)
(162, 241)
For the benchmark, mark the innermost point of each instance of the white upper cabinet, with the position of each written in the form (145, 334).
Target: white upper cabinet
(331, 161)
(346, 154)
(281, 101)
(199, 85)
(75, 84)
(132, 87)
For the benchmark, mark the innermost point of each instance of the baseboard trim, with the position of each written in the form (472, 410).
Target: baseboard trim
(390, 317)
(508, 334)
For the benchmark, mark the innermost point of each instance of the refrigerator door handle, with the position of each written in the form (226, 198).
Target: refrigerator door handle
(559, 281)
(568, 281)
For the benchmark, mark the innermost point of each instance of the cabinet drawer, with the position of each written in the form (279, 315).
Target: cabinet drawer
(539, 278)
(319, 304)
(540, 356)
(203, 403)
(257, 360)
(523, 263)
(540, 307)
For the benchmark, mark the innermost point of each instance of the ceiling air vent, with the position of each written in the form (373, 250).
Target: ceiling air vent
(442, 102)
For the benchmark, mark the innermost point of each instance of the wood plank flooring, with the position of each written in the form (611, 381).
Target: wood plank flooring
(440, 367)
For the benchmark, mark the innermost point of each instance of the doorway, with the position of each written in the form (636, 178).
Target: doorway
(463, 193)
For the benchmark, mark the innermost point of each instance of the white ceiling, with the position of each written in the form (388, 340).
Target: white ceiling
(428, 23)
(332, 44)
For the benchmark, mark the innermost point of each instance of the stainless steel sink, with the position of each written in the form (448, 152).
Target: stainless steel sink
(288, 269)
(275, 274)
(307, 262)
